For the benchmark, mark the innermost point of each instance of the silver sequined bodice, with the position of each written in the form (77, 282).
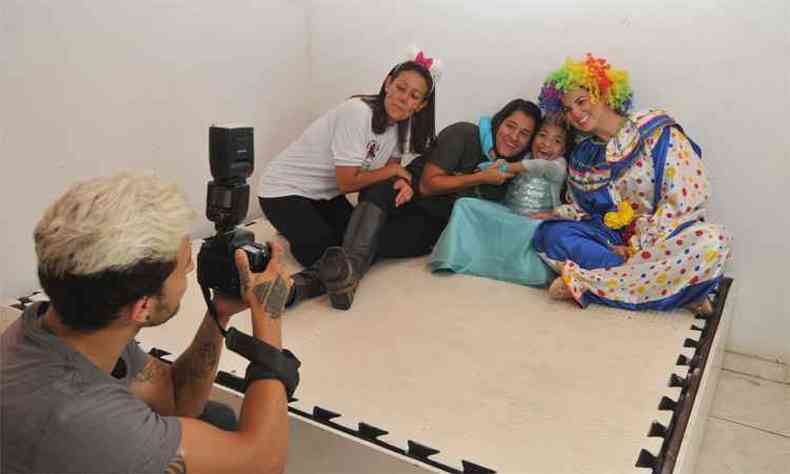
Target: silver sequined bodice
(527, 194)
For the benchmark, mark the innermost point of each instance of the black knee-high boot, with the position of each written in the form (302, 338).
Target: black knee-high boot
(341, 268)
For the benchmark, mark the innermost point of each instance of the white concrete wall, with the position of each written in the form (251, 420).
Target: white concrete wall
(720, 68)
(92, 86)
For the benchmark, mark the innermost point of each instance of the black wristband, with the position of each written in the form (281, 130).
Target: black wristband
(266, 361)
(260, 372)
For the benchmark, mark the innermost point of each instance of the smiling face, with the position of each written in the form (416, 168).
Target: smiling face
(513, 134)
(405, 95)
(549, 142)
(581, 111)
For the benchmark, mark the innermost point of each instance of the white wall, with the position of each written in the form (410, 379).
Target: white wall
(719, 67)
(92, 86)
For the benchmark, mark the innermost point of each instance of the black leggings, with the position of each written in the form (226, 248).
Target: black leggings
(412, 229)
(312, 225)
(309, 225)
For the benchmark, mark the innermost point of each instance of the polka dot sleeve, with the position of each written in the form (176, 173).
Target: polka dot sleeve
(684, 192)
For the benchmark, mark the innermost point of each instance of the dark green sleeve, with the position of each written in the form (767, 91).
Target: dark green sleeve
(452, 144)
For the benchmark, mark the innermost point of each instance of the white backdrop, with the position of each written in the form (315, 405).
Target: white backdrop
(91, 86)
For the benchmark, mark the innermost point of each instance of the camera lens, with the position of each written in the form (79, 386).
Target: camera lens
(258, 256)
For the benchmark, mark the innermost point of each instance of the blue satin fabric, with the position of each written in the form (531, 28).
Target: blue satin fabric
(587, 242)
(689, 295)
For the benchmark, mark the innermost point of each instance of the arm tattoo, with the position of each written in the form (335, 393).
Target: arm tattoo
(198, 366)
(152, 371)
(210, 356)
(177, 465)
(273, 296)
(201, 364)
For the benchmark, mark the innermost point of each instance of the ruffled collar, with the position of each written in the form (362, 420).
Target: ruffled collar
(622, 145)
(624, 142)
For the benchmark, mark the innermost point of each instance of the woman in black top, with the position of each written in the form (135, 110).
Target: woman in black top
(380, 226)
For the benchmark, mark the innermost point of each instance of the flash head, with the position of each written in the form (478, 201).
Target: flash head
(231, 158)
(232, 161)
(231, 152)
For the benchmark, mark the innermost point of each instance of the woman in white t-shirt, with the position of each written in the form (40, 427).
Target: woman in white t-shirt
(355, 145)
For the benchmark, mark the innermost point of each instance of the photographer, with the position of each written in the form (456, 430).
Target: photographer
(78, 395)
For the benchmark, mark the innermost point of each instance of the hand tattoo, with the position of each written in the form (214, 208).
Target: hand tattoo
(244, 279)
(273, 296)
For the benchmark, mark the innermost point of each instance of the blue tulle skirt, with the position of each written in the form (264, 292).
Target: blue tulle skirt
(488, 239)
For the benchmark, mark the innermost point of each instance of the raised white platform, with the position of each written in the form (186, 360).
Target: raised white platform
(483, 371)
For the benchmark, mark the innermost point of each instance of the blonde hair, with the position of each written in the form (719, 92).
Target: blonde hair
(112, 223)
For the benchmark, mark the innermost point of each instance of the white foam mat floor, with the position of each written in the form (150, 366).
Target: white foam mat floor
(482, 370)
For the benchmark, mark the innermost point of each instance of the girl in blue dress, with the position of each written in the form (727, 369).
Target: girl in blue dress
(494, 240)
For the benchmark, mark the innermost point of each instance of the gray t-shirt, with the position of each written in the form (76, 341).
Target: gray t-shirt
(62, 414)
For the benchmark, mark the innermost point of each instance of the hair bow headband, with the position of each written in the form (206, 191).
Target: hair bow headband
(433, 65)
(424, 60)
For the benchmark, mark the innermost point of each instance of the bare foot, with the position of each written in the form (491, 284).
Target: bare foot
(558, 290)
(702, 307)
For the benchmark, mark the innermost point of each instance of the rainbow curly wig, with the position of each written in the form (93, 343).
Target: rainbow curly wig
(593, 74)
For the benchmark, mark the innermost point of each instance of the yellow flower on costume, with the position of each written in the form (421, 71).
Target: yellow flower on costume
(620, 218)
(711, 255)
(662, 279)
(671, 172)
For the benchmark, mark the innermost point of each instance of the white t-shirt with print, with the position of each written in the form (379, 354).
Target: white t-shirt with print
(341, 137)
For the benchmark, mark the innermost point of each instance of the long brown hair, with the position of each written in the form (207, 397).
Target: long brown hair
(422, 123)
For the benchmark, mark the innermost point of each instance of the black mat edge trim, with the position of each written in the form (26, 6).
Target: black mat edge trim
(664, 462)
(366, 433)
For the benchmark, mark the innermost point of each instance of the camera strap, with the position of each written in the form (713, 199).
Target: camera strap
(266, 361)
(212, 308)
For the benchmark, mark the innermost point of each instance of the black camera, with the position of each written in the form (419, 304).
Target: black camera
(232, 160)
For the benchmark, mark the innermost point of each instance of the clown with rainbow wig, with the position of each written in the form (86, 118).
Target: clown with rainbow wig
(633, 233)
